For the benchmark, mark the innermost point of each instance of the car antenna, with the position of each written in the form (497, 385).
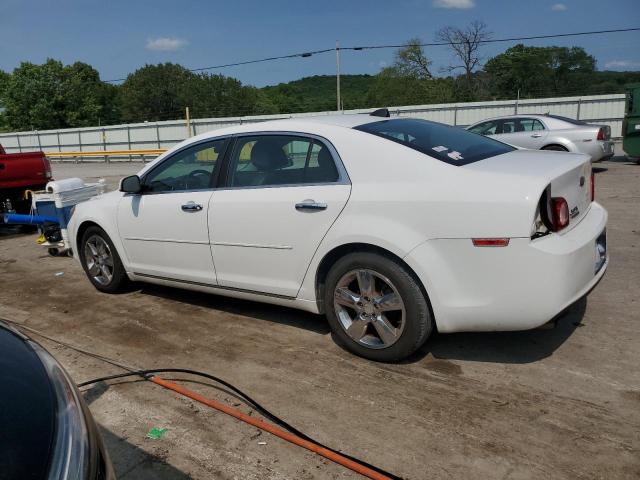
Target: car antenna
(381, 112)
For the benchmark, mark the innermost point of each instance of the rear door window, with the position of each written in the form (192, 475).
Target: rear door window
(453, 145)
(269, 160)
(508, 126)
(529, 125)
(485, 128)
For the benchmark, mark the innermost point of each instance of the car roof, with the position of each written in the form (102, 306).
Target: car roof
(304, 123)
(520, 115)
(545, 118)
(348, 120)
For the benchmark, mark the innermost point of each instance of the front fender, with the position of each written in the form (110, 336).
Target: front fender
(101, 211)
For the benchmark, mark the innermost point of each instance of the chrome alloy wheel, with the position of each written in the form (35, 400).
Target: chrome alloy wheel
(98, 259)
(369, 308)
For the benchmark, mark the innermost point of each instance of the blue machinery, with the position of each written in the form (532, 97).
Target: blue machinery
(51, 210)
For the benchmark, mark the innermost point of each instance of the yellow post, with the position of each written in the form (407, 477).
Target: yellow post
(188, 122)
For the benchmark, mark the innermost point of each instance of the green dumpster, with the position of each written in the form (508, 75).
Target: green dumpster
(631, 123)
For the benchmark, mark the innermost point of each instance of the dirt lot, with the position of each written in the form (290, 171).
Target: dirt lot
(557, 403)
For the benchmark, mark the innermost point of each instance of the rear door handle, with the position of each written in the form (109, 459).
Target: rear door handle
(536, 135)
(311, 205)
(191, 207)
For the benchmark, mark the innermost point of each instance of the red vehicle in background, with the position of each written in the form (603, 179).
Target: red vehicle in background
(20, 172)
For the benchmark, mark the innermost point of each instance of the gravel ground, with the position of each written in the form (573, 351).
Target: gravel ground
(550, 403)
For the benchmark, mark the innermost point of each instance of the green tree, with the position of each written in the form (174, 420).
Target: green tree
(155, 92)
(52, 95)
(410, 61)
(163, 91)
(537, 71)
(89, 101)
(409, 80)
(4, 82)
(220, 96)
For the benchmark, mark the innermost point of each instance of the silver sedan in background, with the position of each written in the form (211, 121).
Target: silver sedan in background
(549, 132)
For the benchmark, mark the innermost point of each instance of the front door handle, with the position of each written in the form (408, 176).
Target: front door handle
(311, 205)
(191, 207)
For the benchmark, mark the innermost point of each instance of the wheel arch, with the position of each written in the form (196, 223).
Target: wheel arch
(556, 144)
(83, 228)
(333, 255)
(86, 224)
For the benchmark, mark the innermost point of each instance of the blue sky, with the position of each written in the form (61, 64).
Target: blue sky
(117, 36)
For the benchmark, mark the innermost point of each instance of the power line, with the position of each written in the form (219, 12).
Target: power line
(380, 47)
(247, 62)
(497, 40)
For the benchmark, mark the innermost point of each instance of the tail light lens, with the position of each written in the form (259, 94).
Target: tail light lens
(560, 212)
(600, 134)
(593, 187)
(47, 168)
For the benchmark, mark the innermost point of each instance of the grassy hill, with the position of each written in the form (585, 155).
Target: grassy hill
(318, 93)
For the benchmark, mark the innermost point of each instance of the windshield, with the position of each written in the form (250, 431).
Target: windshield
(448, 144)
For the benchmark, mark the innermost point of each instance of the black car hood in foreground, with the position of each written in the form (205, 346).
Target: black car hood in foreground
(27, 410)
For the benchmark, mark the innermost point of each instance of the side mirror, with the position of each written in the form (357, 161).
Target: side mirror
(131, 184)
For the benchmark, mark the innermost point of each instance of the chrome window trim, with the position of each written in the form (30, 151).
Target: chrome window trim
(343, 176)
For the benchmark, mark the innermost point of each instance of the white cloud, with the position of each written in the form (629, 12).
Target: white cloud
(461, 4)
(165, 44)
(558, 7)
(622, 64)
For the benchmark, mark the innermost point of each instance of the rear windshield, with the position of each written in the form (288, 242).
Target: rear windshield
(449, 144)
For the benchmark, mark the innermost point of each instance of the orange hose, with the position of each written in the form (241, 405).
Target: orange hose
(272, 429)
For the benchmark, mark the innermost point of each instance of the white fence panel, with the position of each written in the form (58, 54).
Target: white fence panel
(605, 109)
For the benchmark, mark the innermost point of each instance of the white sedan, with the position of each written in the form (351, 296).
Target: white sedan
(390, 227)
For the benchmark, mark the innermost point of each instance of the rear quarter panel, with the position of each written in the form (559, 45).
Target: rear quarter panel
(401, 198)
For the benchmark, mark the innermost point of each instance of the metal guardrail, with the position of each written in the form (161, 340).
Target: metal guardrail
(142, 153)
(106, 153)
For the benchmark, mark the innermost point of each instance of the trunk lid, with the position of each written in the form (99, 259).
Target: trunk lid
(567, 174)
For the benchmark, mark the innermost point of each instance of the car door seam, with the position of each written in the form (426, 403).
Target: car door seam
(306, 272)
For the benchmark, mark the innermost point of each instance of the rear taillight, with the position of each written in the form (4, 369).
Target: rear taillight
(560, 213)
(47, 168)
(593, 187)
(600, 134)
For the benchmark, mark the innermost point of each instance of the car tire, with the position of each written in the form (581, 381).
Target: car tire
(362, 292)
(101, 262)
(555, 148)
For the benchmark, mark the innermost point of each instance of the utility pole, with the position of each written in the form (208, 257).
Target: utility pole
(188, 121)
(338, 100)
